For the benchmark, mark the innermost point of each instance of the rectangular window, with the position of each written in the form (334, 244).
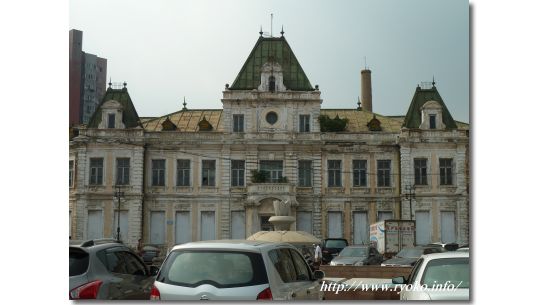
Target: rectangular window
(156, 228)
(183, 227)
(445, 170)
(158, 168)
(111, 120)
(239, 120)
(96, 171)
(361, 228)
(335, 224)
(384, 215)
(423, 227)
(304, 123)
(305, 173)
(432, 121)
(421, 177)
(334, 171)
(238, 173)
(383, 173)
(207, 225)
(238, 225)
(273, 169)
(122, 171)
(359, 172)
(183, 172)
(304, 222)
(71, 172)
(448, 227)
(95, 224)
(208, 172)
(124, 225)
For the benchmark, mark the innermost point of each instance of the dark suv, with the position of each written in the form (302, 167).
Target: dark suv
(106, 269)
(331, 247)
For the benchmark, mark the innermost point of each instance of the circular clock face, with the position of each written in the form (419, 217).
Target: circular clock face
(271, 117)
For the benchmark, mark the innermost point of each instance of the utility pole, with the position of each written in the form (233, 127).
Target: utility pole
(118, 194)
(410, 195)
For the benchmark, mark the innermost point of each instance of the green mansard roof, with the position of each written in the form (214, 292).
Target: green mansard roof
(280, 51)
(413, 116)
(130, 117)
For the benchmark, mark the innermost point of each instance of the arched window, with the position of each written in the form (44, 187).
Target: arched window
(272, 83)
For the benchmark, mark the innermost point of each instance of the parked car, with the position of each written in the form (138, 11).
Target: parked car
(409, 256)
(106, 269)
(434, 271)
(148, 253)
(236, 270)
(331, 247)
(357, 256)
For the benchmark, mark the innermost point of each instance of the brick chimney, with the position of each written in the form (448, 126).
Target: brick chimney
(366, 90)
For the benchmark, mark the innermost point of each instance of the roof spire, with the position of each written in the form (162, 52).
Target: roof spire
(433, 82)
(184, 104)
(110, 83)
(282, 31)
(261, 31)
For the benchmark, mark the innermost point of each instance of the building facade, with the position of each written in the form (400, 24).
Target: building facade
(200, 174)
(87, 80)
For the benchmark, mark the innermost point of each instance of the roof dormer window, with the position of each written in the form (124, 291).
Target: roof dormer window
(272, 78)
(111, 120)
(272, 83)
(111, 115)
(432, 116)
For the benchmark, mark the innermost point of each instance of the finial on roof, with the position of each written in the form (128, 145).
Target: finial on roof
(433, 82)
(261, 31)
(184, 104)
(124, 84)
(359, 103)
(110, 83)
(282, 31)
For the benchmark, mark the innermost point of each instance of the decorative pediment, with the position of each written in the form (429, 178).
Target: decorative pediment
(374, 124)
(167, 125)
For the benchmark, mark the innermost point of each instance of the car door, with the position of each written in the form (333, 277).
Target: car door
(138, 276)
(307, 287)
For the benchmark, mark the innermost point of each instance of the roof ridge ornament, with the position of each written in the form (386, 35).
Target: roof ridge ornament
(282, 31)
(184, 105)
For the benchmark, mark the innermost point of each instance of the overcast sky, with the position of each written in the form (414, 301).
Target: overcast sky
(165, 50)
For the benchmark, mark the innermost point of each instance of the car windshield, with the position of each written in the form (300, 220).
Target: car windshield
(222, 269)
(335, 243)
(410, 252)
(354, 252)
(447, 271)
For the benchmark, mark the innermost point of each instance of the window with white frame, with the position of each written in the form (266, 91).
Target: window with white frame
(383, 173)
(183, 172)
(445, 171)
(304, 123)
(122, 171)
(208, 172)
(305, 173)
(238, 172)
(420, 165)
(334, 172)
(238, 123)
(273, 168)
(359, 173)
(96, 171)
(158, 168)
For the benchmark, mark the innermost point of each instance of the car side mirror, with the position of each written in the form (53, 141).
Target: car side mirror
(399, 280)
(153, 270)
(318, 275)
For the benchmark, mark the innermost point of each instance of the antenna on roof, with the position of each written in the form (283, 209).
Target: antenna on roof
(365, 66)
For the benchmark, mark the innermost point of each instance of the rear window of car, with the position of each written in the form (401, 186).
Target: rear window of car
(335, 243)
(222, 269)
(78, 261)
(447, 271)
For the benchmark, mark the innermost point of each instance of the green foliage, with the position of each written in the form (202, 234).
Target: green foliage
(327, 124)
(257, 176)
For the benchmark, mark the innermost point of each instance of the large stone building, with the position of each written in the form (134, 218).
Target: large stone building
(199, 174)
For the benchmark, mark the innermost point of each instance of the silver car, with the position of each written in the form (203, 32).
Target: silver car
(236, 270)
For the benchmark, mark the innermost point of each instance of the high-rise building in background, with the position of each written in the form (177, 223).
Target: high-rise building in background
(87, 80)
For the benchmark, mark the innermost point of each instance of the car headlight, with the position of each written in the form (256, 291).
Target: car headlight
(359, 263)
(332, 263)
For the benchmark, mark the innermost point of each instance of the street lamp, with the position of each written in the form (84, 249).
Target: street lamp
(410, 194)
(118, 194)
